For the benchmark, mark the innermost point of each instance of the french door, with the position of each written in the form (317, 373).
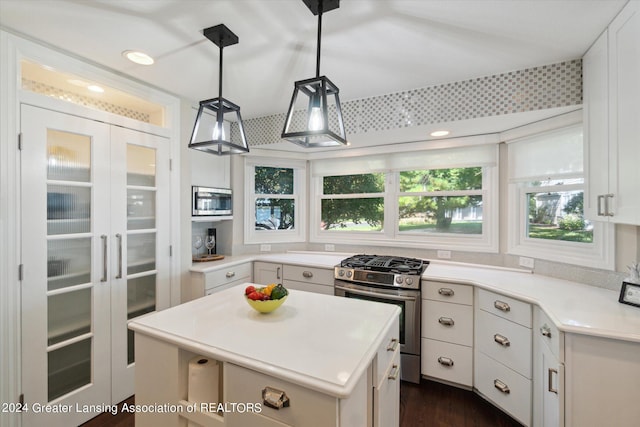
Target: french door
(95, 254)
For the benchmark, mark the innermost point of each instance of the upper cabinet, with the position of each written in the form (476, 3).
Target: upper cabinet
(611, 71)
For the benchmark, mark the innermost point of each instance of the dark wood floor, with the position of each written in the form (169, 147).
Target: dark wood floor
(428, 404)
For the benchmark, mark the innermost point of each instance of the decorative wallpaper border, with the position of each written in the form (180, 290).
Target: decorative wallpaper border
(44, 89)
(547, 86)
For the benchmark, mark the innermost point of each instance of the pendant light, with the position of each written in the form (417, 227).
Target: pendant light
(209, 132)
(317, 122)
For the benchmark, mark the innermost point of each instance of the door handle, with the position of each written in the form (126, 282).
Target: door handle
(599, 203)
(501, 386)
(104, 257)
(550, 379)
(307, 274)
(501, 305)
(545, 331)
(445, 361)
(119, 237)
(446, 292)
(278, 273)
(607, 212)
(230, 274)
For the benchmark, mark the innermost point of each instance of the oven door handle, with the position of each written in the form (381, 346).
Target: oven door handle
(376, 294)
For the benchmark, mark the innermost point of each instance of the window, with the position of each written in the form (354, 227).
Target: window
(274, 201)
(546, 194)
(425, 198)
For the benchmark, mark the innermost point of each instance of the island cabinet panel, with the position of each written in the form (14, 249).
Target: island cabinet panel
(305, 407)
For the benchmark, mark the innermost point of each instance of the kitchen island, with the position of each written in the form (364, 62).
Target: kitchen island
(334, 360)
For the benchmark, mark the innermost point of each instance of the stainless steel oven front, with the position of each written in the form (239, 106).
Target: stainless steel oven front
(409, 302)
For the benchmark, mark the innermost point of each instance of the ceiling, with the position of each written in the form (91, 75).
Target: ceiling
(369, 47)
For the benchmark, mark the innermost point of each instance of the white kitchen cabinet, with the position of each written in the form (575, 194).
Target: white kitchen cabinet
(548, 372)
(385, 402)
(602, 381)
(95, 241)
(447, 332)
(265, 273)
(502, 356)
(612, 121)
(214, 281)
(311, 279)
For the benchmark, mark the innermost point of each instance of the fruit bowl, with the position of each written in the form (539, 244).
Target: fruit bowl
(266, 306)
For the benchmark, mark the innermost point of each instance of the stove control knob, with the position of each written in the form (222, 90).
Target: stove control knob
(340, 273)
(399, 280)
(409, 281)
(349, 273)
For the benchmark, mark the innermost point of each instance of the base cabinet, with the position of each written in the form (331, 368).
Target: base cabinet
(309, 279)
(548, 372)
(214, 281)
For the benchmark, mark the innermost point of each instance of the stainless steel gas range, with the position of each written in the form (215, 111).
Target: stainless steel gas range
(391, 280)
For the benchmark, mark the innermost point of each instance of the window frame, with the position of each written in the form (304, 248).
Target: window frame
(391, 236)
(598, 254)
(298, 234)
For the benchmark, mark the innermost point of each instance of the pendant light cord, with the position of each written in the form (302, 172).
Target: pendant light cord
(319, 38)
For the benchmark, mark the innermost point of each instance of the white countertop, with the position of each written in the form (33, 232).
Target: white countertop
(574, 307)
(319, 341)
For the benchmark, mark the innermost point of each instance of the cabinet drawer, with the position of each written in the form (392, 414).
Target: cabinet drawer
(515, 398)
(505, 341)
(548, 333)
(447, 322)
(386, 352)
(308, 287)
(226, 286)
(310, 275)
(449, 362)
(227, 275)
(448, 292)
(306, 407)
(506, 307)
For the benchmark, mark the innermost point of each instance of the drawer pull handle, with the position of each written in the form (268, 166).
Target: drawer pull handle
(502, 340)
(545, 331)
(230, 274)
(501, 305)
(395, 371)
(446, 292)
(307, 274)
(445, 361)
(393, 344)
(274, 398)
(550, 379)
(501, 386)
(446, 321)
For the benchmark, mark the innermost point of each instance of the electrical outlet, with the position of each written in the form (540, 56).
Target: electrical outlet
(265, 248)
(329, 247)
(444, 254)
(526, 262)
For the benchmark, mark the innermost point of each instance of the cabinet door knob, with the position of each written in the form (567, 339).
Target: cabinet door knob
(445, 361)
(230, 274)
(545, 331)
(274, 398)
(446, 321)
(502, 340)
(307, 274)
(446, 292)
(502, 306)
(501, 386)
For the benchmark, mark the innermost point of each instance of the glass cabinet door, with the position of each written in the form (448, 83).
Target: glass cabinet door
(140, 200)
(65, 303)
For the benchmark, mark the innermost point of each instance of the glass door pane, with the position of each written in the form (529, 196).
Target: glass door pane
(69, 296)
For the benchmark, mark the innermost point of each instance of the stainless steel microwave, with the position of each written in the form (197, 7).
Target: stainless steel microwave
(209, 201)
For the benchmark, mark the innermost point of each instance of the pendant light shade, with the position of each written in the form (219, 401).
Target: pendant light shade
(211, 132)
(314, 118)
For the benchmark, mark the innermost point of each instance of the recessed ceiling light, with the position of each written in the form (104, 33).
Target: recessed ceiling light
(138, 57)
(95, 88)
(439, 133)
